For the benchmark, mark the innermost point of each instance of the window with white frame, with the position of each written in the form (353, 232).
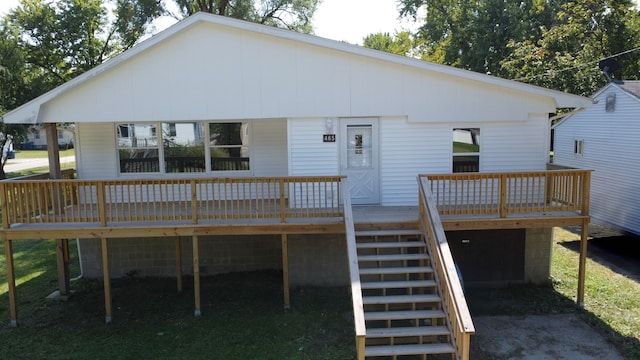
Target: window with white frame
(181, 147)
(138, 149)
(466, 150)
(578, 146)
(229, 146)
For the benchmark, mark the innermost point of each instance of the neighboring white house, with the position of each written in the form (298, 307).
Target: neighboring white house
(37, 139)
(253, 100)
(605, 138)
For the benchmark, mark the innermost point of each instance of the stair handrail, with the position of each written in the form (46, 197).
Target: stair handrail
(452, 293)
(354, 271)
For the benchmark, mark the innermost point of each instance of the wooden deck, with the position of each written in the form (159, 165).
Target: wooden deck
(63, 209)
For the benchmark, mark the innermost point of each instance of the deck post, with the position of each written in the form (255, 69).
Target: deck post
(583, 263)
(503, 196)
(285, 271)
(53, 150)
(107, 281)
(11, 282)
(179, 264)
(196, 276)
(62, 258)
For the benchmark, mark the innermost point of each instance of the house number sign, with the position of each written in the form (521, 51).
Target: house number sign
(329, 138)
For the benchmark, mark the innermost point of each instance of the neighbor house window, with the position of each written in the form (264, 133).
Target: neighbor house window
(60, 135)
(578, 146)
(229, 146)
(183, 145)
(138, 149)
(466, 150)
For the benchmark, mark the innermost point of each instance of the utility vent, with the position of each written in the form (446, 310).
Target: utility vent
(610, 105)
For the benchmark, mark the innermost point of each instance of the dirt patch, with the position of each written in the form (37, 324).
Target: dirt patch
(562, 336)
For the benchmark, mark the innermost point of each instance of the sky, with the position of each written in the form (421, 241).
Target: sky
(342, 20)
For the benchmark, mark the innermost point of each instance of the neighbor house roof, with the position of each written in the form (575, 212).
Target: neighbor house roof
(30, 112)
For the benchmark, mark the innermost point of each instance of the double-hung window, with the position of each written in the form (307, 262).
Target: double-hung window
(229, 146)
(466, 150)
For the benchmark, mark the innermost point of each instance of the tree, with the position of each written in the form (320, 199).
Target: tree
(474, 34)
(552, 43)
(400, 44)
(290, 14)
(566, 56)
(61, 39)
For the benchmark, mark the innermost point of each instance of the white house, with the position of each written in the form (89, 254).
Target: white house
(37, 139)
(218, 97)
(605, 138)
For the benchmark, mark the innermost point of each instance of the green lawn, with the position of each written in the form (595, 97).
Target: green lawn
(243, 315)
(37, 154)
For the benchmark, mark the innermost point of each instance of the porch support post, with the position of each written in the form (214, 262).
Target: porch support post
(62, 258)
(11, 282)
(179, 264)
(583, 263)
(106, 280)
(53, 150)
(196, 275)
(285, 271)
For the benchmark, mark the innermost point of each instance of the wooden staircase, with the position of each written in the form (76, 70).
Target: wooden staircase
(402, 306)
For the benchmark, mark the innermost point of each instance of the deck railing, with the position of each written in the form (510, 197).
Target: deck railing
(509, 193)
(192, 200)
(454, 302)
(354, 274)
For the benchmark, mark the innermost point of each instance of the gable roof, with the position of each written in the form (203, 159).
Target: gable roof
(31, 111)
(629, 87)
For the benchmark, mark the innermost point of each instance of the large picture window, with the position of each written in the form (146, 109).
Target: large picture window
(229, 146)
(181, 147)
(466, 150)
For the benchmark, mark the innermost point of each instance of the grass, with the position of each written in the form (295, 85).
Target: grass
(243, 316)
(41, 154)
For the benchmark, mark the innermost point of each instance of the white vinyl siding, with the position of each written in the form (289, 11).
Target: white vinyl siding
(610, 148)
(96, 151)
(308, 154)
(270, 144)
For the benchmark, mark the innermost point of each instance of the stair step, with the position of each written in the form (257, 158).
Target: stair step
(407, 331)
(392, 257)
(404, 315)
(399, 232)
(396, 270)
(417, 349)
(391, 244)
(400, 299)
(397, 284)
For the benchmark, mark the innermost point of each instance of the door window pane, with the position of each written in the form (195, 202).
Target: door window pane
(359, 147)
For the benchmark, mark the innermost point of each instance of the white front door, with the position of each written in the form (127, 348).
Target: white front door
(359, 159)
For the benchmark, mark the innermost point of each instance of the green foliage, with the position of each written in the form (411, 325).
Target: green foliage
(63, 38)
(555, 44)
(566, 56)
(290, 14)
(401, 43)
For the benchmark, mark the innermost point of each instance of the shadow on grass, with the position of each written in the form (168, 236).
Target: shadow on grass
(621, 253)
(243, 317)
